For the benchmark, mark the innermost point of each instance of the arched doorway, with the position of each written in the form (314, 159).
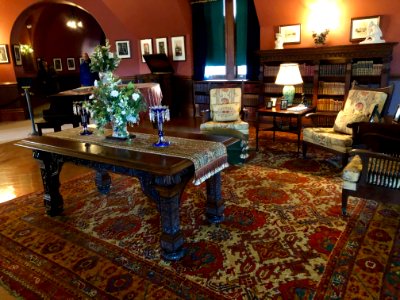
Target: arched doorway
(42, 28)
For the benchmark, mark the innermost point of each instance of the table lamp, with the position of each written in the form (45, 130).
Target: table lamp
(288, 76)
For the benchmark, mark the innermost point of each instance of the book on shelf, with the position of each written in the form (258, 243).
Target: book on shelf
(331, 88)
(366, 68)
(329, 104)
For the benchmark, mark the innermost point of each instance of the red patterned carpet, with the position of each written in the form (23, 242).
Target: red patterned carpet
(282, 238)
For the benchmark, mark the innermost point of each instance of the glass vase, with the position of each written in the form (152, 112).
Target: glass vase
(120, 131)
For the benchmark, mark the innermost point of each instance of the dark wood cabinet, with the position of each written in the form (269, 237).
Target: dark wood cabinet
(328, 72)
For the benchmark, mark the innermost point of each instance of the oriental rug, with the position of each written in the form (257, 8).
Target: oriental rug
(283, 238)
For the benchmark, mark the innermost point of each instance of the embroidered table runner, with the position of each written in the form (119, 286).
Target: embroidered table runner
(208, 157)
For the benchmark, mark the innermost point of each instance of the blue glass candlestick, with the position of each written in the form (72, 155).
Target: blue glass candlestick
(160, 114)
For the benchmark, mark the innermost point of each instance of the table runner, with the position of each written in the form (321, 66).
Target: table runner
(208, 157)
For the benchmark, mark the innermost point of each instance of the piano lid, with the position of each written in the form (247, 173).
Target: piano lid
(158, 63)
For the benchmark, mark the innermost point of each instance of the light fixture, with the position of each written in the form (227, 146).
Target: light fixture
(288, 75)
(26, 49)
(74, 24)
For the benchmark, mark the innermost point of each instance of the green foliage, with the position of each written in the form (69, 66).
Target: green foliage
(103, 60)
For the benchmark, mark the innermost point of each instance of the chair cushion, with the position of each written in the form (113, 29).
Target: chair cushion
(343, 118)
(238, 125)
(225, 112)
(328, 138)
(358, 108)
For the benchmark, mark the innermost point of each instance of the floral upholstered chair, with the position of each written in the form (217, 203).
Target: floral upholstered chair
(361, 105)
(224, 118)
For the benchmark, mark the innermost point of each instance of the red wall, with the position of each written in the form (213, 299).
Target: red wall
(271, 14)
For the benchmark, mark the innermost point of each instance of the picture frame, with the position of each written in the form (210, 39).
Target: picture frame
(268, 104)
(70, 63)
(81, 60)
(123, 49)
(284, 104)
(291, 34)
(359, 27)
(396, 118)
(17, 55)
(4, 58)
(178, 48)
(57, 63)
(146, 47)
(162, 46)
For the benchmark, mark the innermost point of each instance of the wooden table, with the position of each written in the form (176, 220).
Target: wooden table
(162, 178)
(277, 112)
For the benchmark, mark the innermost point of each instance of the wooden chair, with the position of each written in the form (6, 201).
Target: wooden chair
(330, 131)
(224, 118)
(374, 172)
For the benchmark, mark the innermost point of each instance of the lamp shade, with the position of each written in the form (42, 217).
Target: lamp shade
(289, 74)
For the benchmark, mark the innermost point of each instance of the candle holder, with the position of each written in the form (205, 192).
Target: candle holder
(160, 114)
(79, 110)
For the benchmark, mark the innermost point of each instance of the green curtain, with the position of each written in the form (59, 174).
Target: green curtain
(215, 26)
(241, 32)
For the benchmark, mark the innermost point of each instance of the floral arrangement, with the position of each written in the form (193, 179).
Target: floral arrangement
(319, 39)
(112, 101)
(103, 60)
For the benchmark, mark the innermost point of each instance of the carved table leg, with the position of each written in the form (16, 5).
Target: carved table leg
(215, 203)
(50, 168)
(103, 181)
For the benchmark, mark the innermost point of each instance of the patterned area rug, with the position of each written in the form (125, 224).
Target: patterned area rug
(282, 236)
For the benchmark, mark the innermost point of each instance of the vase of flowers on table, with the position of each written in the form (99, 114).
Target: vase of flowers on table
(113, 102)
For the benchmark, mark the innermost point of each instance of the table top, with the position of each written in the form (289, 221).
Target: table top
(150, 162)
(274, 111)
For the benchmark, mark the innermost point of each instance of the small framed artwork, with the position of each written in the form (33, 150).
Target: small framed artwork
(81, 60)
(4, 54)
(396, 118)
(284, 104)
(123, 49)
(268, 104)
(359, 27)
(162, 46)
(146, 47)
(291, 34)
(17, 55)
(57, 64)
(178, 48)
(71, 63)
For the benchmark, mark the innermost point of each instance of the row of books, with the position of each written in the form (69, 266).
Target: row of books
(305, 70)
(332, 70)
(367, 68)
(331, 88)
(329, 104)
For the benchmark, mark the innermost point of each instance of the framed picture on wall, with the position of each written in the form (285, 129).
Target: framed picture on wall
(178, 48)
(291, 34)
(4, 54)
(81, 60)
(17, 55)
(146, 47)
(57, 64)
(71, 63)
(162, 46)
(359, 27)
(123, 49)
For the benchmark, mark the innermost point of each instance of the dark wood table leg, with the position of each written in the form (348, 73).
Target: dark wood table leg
(257, 128)
(50, 168)
(103, 181)
(299, 127)
(215, 203)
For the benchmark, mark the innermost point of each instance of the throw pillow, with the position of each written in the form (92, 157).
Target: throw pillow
(364, 101)
(343, 118)
(225, 112)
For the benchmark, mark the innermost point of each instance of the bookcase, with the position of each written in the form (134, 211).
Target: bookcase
(327, 72)
(250, 89)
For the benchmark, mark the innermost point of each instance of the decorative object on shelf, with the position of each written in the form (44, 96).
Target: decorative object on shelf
(374, 34)
(288, 76)
(160, 114)
(360, 28)
(320, 38)
(279, 41)
(273, 100)
(111, 101)
(79, 110)
(284, 104)
(291, 34)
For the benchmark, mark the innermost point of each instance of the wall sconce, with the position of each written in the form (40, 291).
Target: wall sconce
(74, 24)
(288, 76)
(26, 49)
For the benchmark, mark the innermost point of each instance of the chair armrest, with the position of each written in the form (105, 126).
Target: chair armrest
(322, 119)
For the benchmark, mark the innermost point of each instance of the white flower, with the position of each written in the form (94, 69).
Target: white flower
(123, 112)
(135, 96)
(110, 55)
(131, 118)
(96, 84)
(114, 93)
(91, 96)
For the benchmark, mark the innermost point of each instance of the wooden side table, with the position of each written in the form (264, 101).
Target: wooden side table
(277, 112)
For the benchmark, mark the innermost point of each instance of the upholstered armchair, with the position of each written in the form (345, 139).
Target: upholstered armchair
(224, 118)
(362, 105)
(374, 172)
